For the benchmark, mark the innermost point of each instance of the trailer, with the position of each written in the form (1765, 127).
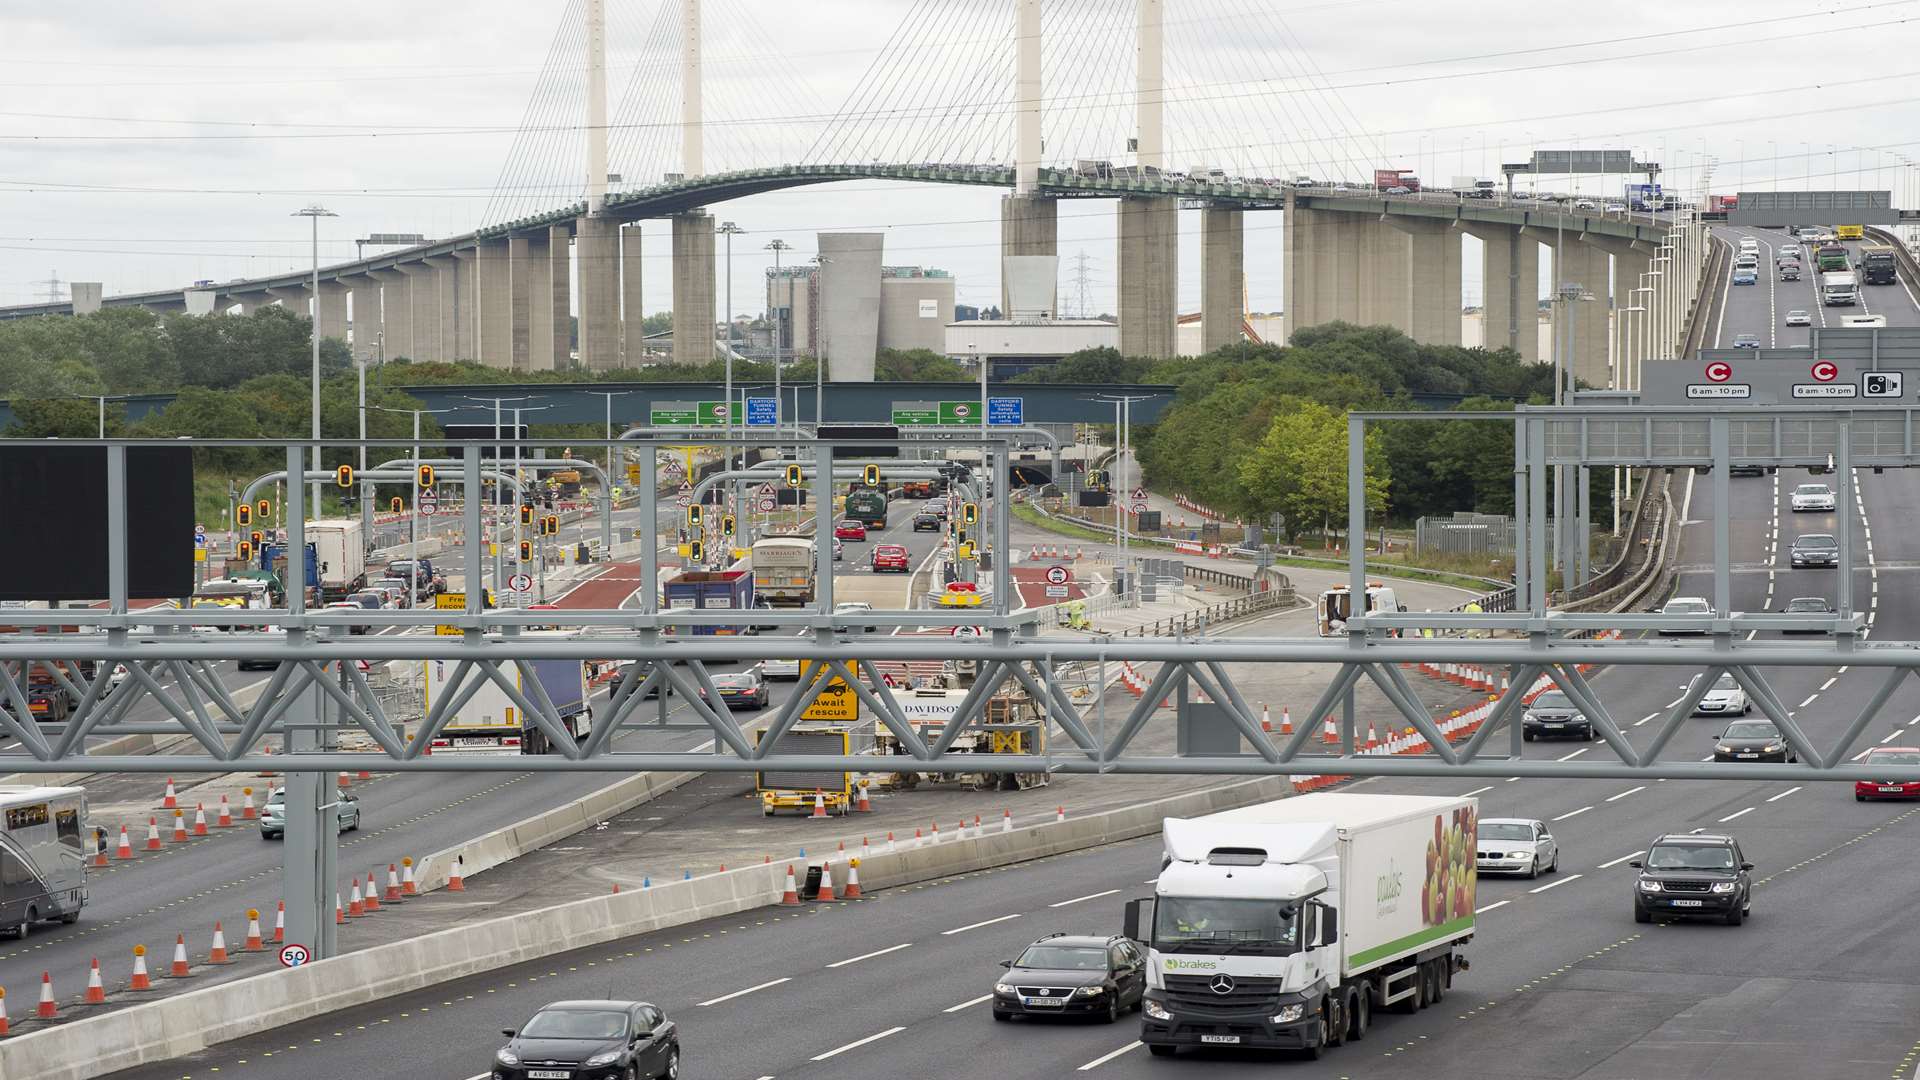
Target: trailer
(706, 590)
(802, 789)
(1012, 725)
(492, 721)
(341, 548)
(783, 571)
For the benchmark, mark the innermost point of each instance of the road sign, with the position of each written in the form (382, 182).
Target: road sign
(1005, 411)
(1881, 384)
(1057, 591)
(429, 507)
(767, 505)
(1825, 370)
(200, 540)
(764, 489)
(449, 601)
(1803, 391)
(836, 700)
(673, 469)
(199, 530)
(760, 412)
(1058, 575)
(1719, 371)
(294, 955)
(1137, 507)
(914, 413)
(683, 499)
(674, 413)
(279, 536)
(1139, 493)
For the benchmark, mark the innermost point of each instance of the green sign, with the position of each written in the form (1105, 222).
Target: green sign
(912, 413)
(692, 414)
(959, 413)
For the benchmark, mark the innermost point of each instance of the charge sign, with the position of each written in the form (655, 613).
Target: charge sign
(1824, 373)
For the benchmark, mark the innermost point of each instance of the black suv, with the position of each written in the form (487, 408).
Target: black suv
(1693, 876)
(1072, 975)
(1554, 713)
(926, 521)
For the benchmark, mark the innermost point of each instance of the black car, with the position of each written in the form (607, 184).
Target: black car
(741, 689)
(645, 666)
(1807, 605)
(926, 521)
(1752, 740)
(1072, 975)
(1815, 549)
(1693, 876)
(1553, 713)
(591, 1040)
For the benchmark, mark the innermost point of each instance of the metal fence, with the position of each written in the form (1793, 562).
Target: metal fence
(1468, 533)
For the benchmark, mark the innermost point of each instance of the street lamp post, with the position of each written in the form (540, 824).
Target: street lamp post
(820, 357)
(777, 245)
(314, 214)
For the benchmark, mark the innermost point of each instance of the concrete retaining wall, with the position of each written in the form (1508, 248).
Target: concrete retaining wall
(190, 1022)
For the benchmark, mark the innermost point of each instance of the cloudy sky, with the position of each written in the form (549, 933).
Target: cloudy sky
(149, 146)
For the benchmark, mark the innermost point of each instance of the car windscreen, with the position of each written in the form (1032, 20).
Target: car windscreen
(741, 681)
(1807, 605)
(576, 1024)
(1552, 699)
(1063, 958)
(1894, 757)
(1813, 489)
(1726, 682)
(1686, 607)
(1505, 831)
(1213, 925)
(1689, 857)
(1755, 730)
(1821, 541)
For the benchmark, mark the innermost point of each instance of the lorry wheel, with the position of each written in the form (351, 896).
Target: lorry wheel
(1359, 1015)
(1319, 1049)
(1439, 991)
(1336, 1022)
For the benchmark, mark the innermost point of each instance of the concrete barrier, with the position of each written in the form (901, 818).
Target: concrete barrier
(185, 1024)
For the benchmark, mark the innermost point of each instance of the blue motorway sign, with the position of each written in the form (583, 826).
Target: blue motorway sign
(761, 412)
(1005, 410)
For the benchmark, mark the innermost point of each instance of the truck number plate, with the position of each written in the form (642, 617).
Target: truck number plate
(1219, 1038)
(1685, 903)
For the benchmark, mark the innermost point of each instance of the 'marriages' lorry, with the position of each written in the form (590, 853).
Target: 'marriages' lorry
(1288, 924)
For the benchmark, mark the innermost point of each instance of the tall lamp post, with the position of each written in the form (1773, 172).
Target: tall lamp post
(314, 214)
(729, 230)
(777, 245)
(820, 359)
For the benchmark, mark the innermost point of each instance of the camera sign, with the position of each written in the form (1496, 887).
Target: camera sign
(1881, 384)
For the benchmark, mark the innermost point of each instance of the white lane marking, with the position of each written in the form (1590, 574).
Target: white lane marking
(1490, 907)
(1784, 794)
(1621, 859)
(1624, 794)
(869, 956)
(978, 925)
(1828, 685)
(1575, 754)
(1644, 719)
(1809, 701)
(1573, 813)
(858, 1043)
(1104, 1058)
(1893, 736)
(1511, 779)
(740, 993)
(1489, 787)
(1738, 813)
(968, 1004)
(1089, 896)
(1842, 669)
(1557, 884)
(1676, 701)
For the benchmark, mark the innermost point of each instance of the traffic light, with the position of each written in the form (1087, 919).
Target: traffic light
(397, 504)
(263, 509)
(969, 513)
(244, 549)
(243, 515)
(344, 476)
(870, 476)
(695, 514)
(258, 538)
(526, 551)
(961, 536)
(424, 478)
(696, 551)
(551, 524)
(793, 476)
(526, 513)
(726, 524)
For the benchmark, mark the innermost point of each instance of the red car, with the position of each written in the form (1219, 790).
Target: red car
(890, 557)
(850, 530)
(1908, 756)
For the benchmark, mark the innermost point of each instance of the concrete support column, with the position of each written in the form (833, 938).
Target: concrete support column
(423, 283)
(1384, 297)
(86, 296)
(396, 313)
(558, 297)
(599, 293)
(526, 261)
(633, 312)
(249, 304)
(1630, 260)
(1584, 334)
(1222, 272)
(1431, 278)
(332, 310)
(294, 299)
(693, 299)
(1149, 275)
(1029, 225)
(365, 318)
(1341, 247)
(1509, 290)
(1298, 269)
(464, 305)
(493, 287)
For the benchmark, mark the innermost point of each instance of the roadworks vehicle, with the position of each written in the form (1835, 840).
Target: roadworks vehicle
(1289, 924)
(1335, 606)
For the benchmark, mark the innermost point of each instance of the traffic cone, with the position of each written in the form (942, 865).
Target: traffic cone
(339, 913)
(345, 781)
(866, 847)
(3, 1010)
(153, 834)
(171, 799)
(247, 812)
(372, 896)
(819, 804)
(355, 906)
(407, 885)
(1266, 719)
(49, 1009)
(890, 843)
(365, 775)
(1006, 821)
(199, 819)
(791, 896)
(936, 833)
(254, 942)
(852, 891)
(393, 884)
(280, 923)
(1330, 734)
(125, 850)
(225, 820)
(454, 881)
(863, 806)
(825, 895)
(179, 956)
(179, 826)
(96, 990)
(1059, 815)
(218, 954)
(141, 981)
(1286, 720)
(100, 853)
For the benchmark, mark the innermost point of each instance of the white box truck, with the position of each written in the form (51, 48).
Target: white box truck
(491, 721)
(1287, 924)
(341, 546)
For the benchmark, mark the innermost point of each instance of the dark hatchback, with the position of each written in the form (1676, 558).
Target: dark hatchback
(1693, 876)
(1752, 740)
(1554, 714)
(926, 521)
(591, 1040)
(1068, 975)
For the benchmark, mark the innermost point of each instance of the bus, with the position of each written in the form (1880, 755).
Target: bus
(1850, 232)
(43, 855)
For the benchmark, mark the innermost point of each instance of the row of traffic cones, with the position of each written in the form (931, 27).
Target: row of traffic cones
(400, 887)
(182, 830)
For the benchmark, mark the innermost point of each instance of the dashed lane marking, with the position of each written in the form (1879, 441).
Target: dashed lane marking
(857, 1043)
(1104, 1058)
(1557, 884)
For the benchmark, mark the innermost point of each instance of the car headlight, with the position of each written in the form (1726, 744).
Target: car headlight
(1002, 988)
(1289, 1013)
(1723, 748)
(1155, 1010)
(1090, 991)
(607, 1058)
(1650, 886)
(506, 1056)
(1528, 716)
(1770, 748)
(1725, 886)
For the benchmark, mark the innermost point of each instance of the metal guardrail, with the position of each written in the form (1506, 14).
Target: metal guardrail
(1197, 621)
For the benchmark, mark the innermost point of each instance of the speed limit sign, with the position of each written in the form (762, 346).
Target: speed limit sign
(294, 955)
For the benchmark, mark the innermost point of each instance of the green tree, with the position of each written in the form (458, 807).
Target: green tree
(62, 418)
(1300, 468)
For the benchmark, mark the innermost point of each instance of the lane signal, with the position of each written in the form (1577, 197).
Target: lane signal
(726, 524)
(526, 551)
(871, 476)
(969, 513)
(344, 476)
(695, 514)
(696, 551)
(526, 513)
(259, 538)
(397, 504)
(244, 549)
(423, 478)
(263, 509)
(243, 515)
(793, 476)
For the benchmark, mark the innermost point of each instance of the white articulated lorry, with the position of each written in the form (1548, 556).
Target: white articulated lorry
(1288, 924)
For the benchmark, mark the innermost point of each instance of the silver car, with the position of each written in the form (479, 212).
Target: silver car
(1725, 698)
(273, 816)
(1516, 846)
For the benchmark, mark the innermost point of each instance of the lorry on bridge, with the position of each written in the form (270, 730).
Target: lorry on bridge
(1473, 187)
(1830, 257)
(492, 720)
(1877, 265)
(868, 506)
(1287, 924)
(1388, 179)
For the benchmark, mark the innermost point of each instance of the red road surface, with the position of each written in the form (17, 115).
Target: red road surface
(607, 589)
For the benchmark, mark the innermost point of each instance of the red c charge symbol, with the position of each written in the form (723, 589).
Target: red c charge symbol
(1826, 370)
(1719, 371)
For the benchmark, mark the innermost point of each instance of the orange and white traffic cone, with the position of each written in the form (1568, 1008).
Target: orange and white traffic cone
(825, 895)
(1266, 719)
(100, 853)
(455, 883)
(255, 942)
(819, 804)
(218, 954)
(356, 907)
(1286, 720)
(49, 1009)
(339, 913)
(1059, 814)
(247, 812)
(408, 887)
(180, 968)
(172, 798)
(393, 884)
(3, 1010)
(1006, 821)
(141, 980)
(891, 847)
(153, 834)
(280, 923)
(935, 838)
(179, 826)
(852, 891)
(344, 780)
(199, 819)
(372, 895)
(1330, 734)
(125, 848)
(225, 820)
(96, 990)
(863, 806)
(790, 897)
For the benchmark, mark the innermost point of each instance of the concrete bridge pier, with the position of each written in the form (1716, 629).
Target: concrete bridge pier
(293, 298)
(248, 304)
(364, 293)
(1429, 276)
(1029, 225)
(493, 301)
(599, 258)
(633, 312)
(1630, 260)
(1509, 289)
(1222, 274)
(555, 298)
(1584, 338)
(1149, 275)
(423, 283)
(1298, 270)
(693, 289)
(463, 309)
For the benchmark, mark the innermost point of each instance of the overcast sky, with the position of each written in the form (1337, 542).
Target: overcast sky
(149, 146)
